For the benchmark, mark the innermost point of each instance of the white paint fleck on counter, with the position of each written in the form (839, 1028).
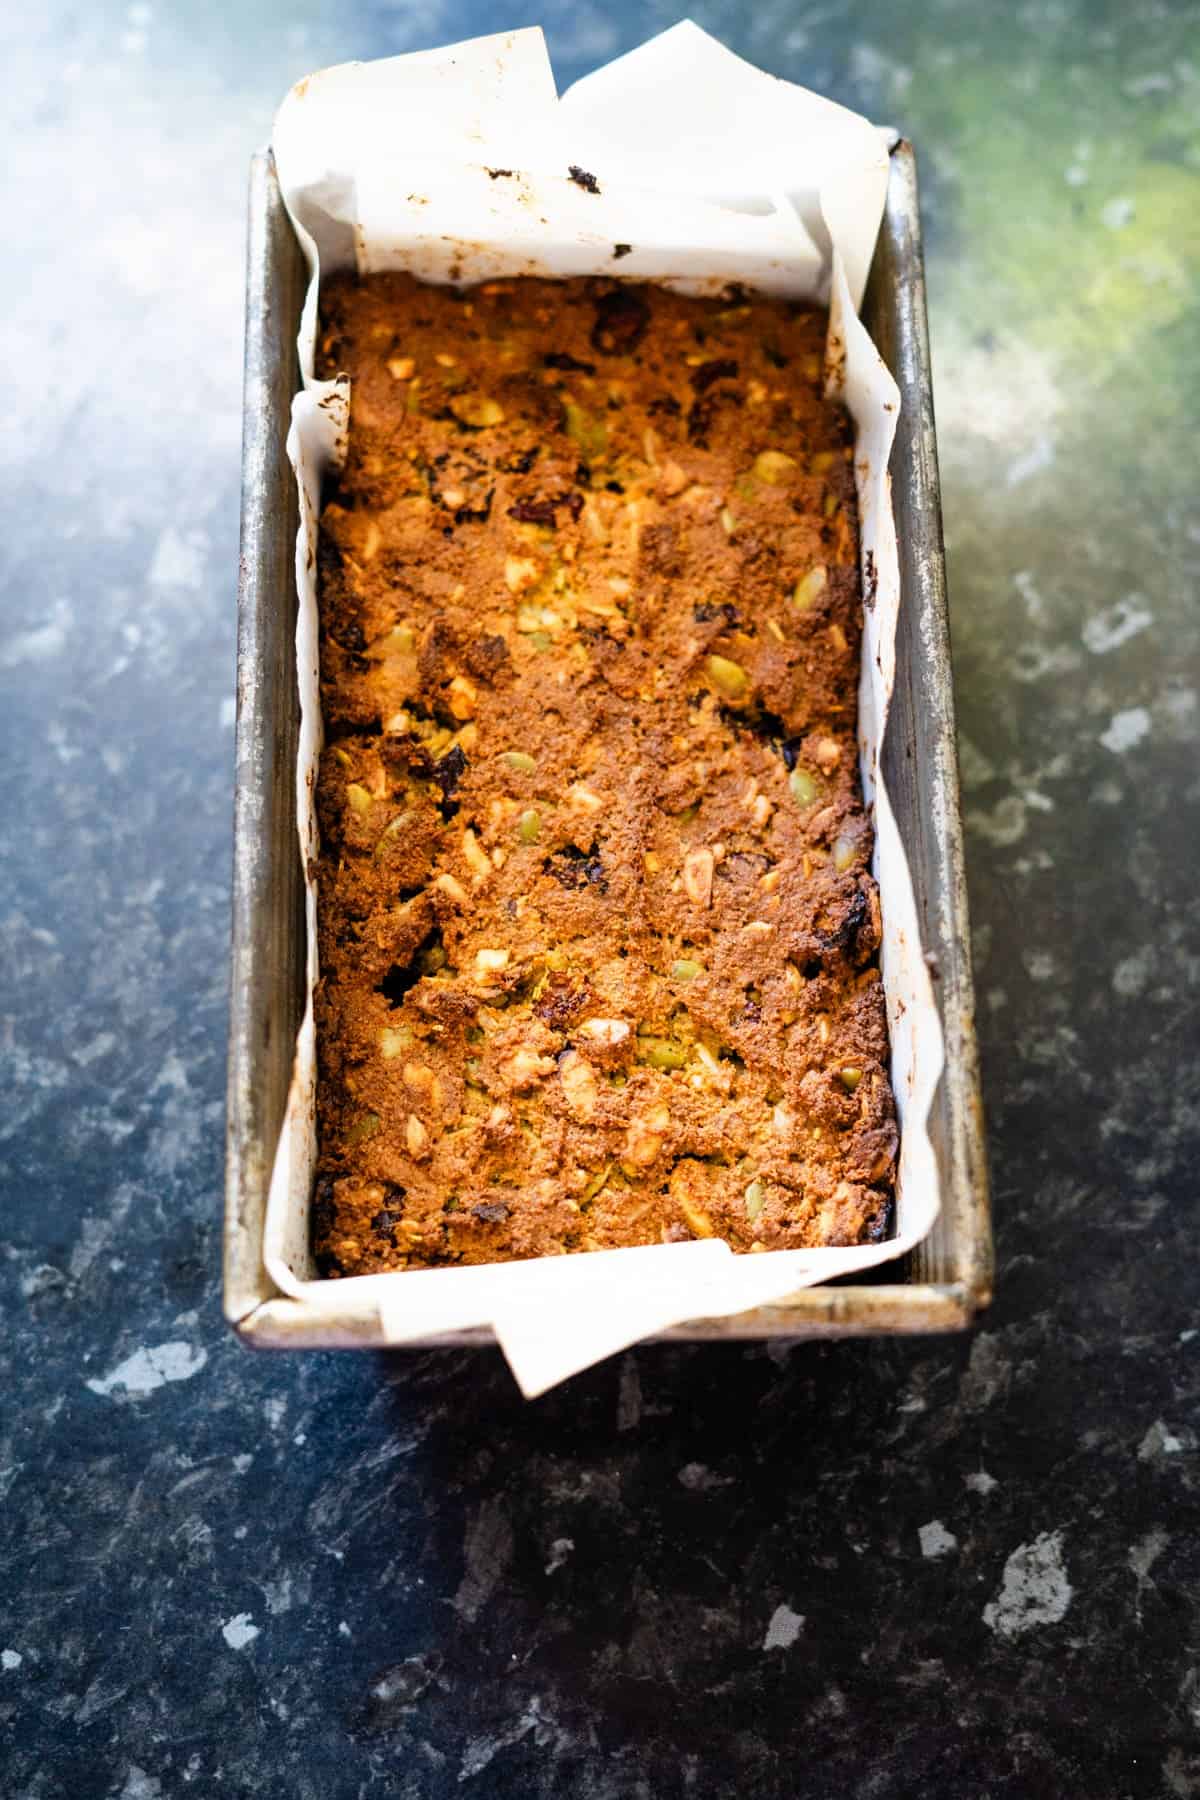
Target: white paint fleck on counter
(179, 559)
(239, 1631)
(149, 1368)
(1161, 1441)
(784, 1628)
(42, 643)
(560, 1549)
(11, 1659)
(1126, 729)
(935, 1540)
(1109, 629)
(1035, 1589)
(980, 1482)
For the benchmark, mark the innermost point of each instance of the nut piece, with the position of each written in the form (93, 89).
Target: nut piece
(520, 760)
(644, 1139)
(520, 572)
(850, 1078)
(475, 854)
(463, 697)
(686, 969)
(671, 480)
(584, 797)
(416, 1137)
(579, 1085)
(490, 962)
(400, 368)
(827, 755)
(529, 825)
(696, 1219)
(604, 1031)
(525, 1067)
(450, 886)
(358, 796)
(698, 876)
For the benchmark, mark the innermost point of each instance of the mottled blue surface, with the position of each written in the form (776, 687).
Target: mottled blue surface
(961, 1568)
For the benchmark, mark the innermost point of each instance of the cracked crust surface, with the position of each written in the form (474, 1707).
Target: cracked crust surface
(598, 940)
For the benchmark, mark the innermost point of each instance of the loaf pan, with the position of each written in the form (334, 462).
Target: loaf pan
(944, 1282)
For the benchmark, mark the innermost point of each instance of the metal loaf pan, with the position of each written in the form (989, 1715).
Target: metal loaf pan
(947, 1279)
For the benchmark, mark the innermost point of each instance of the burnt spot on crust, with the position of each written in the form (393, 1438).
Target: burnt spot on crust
(583, 179)
(490, 1212)
(705, 611)
(448, 771)
(574, 869)
(620, 250)
(561, 1001)
(562, 359)
(622, 316)
(535, 512)
(722, 368)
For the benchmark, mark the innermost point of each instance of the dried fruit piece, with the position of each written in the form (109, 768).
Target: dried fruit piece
(476, 410)
(363, 1128)
(729, 678)
(810, 587)
(358, 797)
(773, 466)
(850, 1078)
(805, 787)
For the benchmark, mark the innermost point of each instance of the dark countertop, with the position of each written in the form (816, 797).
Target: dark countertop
(960, 1568)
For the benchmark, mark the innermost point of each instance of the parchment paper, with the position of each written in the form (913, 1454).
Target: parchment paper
(713, 172)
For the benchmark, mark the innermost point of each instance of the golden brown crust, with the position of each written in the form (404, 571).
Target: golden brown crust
(597, 934)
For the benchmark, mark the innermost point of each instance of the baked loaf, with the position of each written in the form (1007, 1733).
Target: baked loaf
(598, 940)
